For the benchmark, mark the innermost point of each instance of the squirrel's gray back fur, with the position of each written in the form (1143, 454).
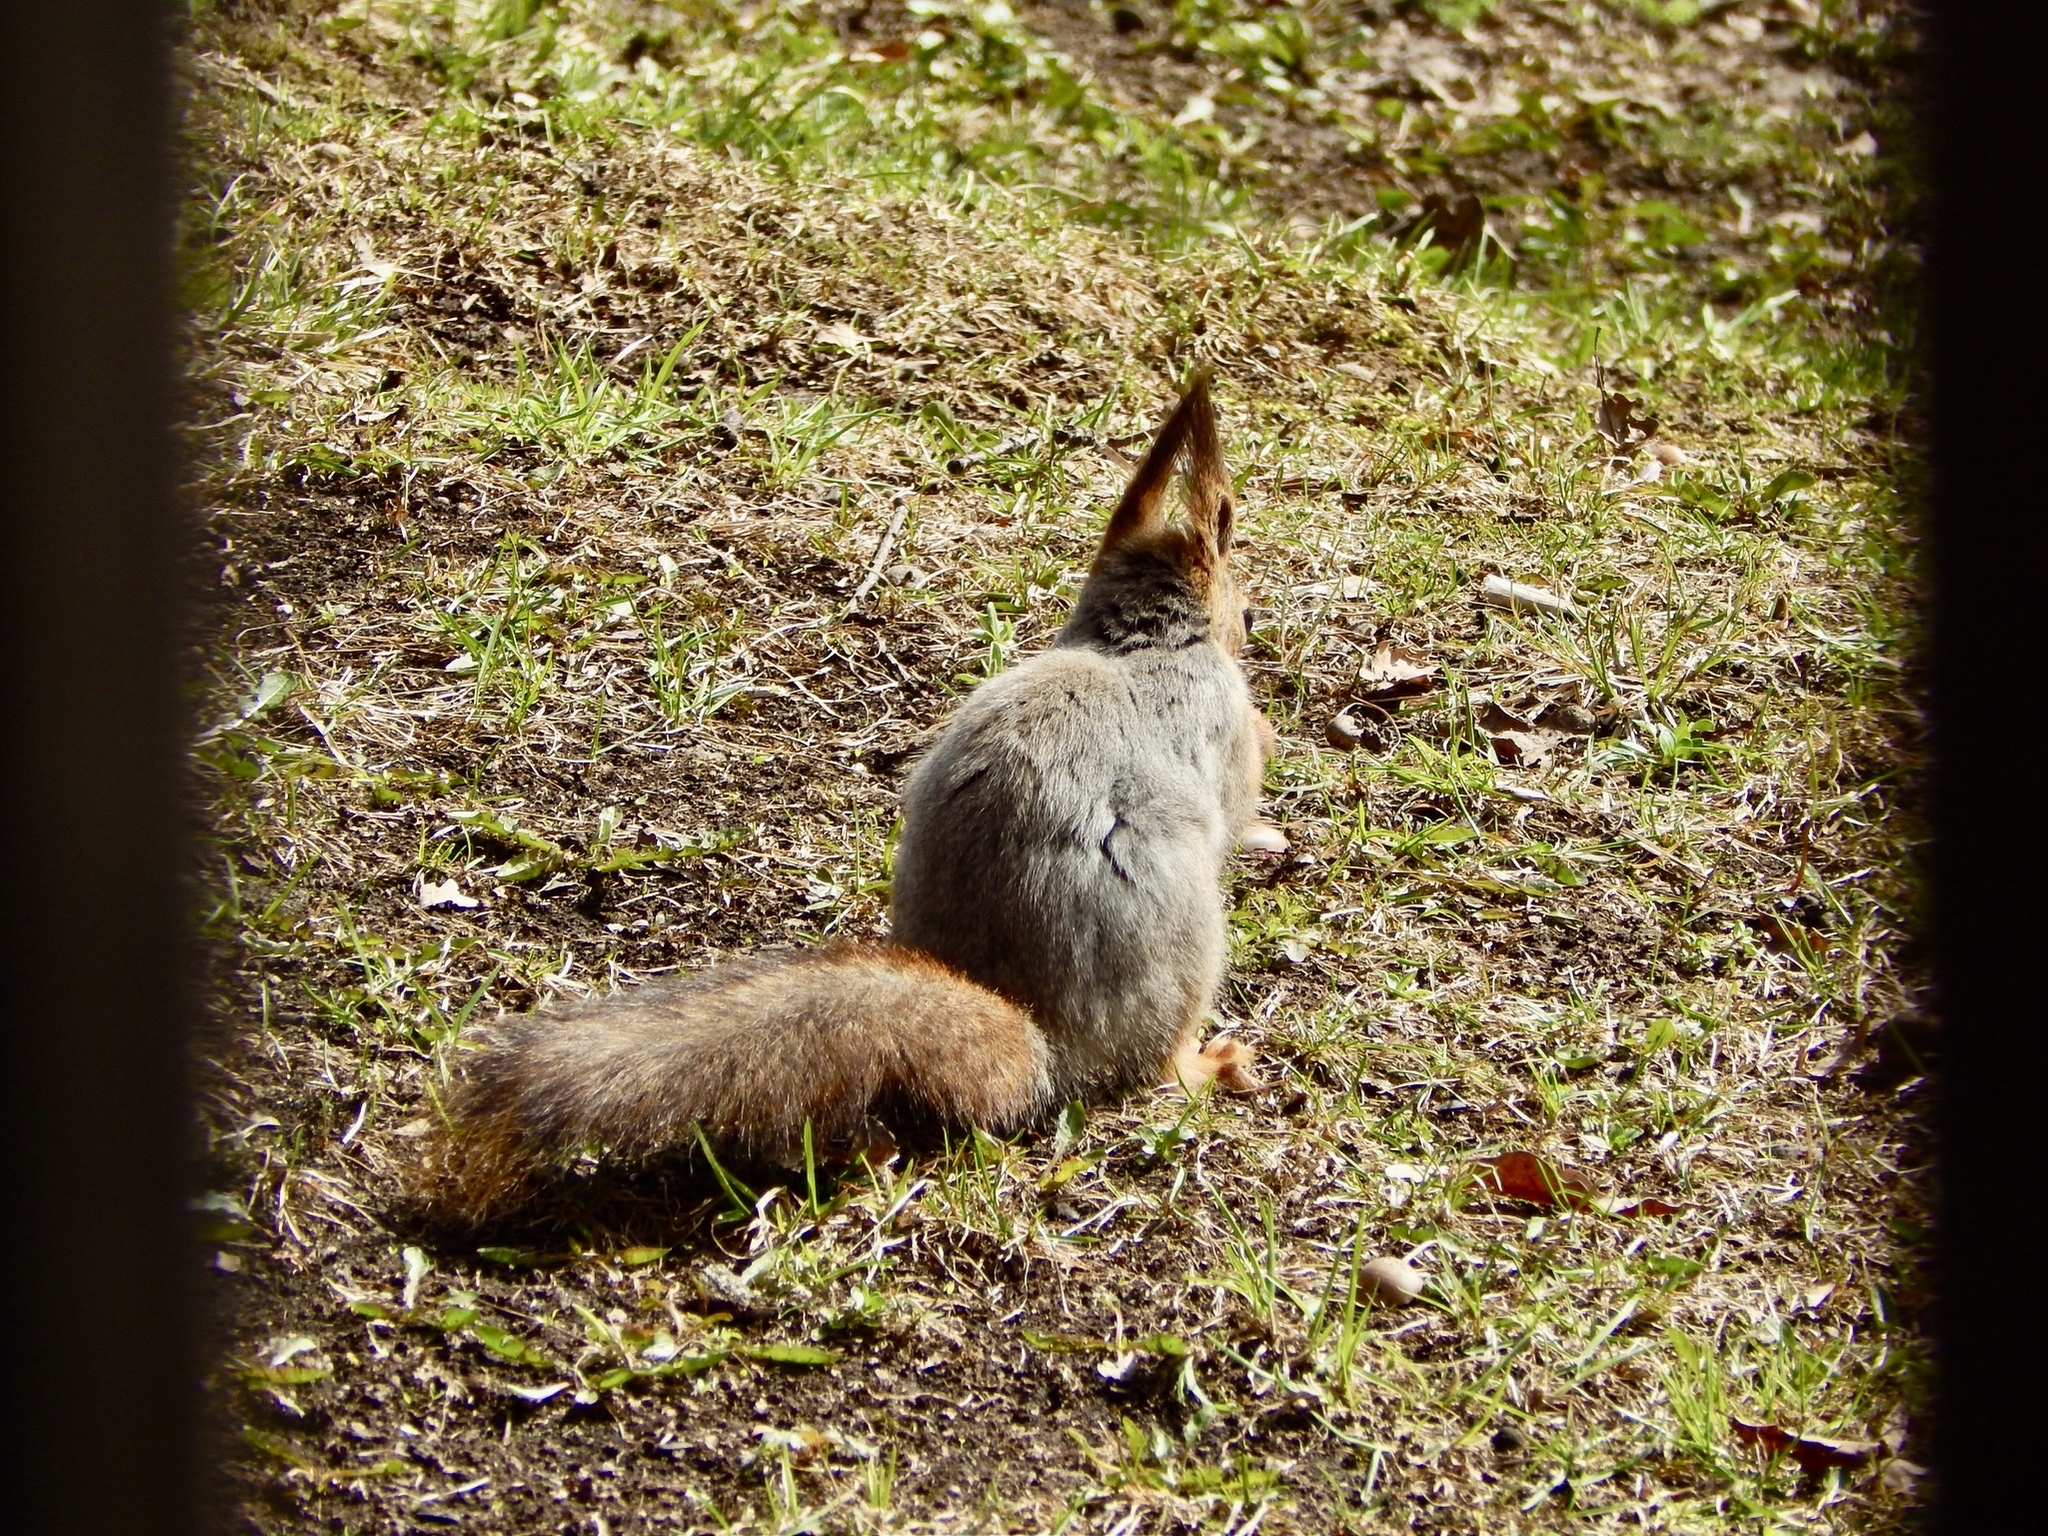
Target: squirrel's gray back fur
(1062, 843)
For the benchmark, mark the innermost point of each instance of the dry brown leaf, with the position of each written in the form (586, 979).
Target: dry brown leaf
(1525, 1176)
(1571, 717)
(1789, 936)
(840, 334)
(1814, 1453)
(1521, 749)
(1517, 742)
(1395, 672)
(1537, 1181)
(1616, 420)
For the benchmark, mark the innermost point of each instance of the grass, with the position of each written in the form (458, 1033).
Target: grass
(557, 374)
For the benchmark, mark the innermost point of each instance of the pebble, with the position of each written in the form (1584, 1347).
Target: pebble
(1393, 1281)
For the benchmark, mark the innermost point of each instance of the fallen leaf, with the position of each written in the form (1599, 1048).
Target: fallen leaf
(1536, 1181)
(1517, 742)
(1571, 717)
(1814, 1295)
(1395, 672)
(1609, 1206)
(1526, 1177)
(1521, 749)
(273, 688)
(840, 334)
(1787, 935)
(1616, 420)
(444, 893)
(1814, 1453)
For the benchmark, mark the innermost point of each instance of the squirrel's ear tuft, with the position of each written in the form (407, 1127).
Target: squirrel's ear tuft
(1210, 511)
(1143, 508)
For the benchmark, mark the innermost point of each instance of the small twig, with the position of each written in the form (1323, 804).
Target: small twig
(1805, 854)
(882, 549)
(1017, 443)
(1516, 597)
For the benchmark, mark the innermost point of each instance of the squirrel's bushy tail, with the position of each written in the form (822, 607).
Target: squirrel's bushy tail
(750, 1051)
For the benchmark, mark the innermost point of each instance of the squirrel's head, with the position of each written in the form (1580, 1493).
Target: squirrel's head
(1197, 542)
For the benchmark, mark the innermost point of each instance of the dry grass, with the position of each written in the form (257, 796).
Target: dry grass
(559, 373)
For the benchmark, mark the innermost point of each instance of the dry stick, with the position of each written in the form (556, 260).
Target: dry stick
(1516, 597)
(1805, 853)
(882, 549)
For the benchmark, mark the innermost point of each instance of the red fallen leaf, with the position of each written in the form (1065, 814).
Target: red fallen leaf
(1783, 934)
(1814, 1453)
(1527, 1177)
(1395, 672)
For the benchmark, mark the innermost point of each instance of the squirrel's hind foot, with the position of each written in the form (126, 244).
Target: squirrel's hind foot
(1223, 1061)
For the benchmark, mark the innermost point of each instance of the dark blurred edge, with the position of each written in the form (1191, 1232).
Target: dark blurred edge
(93, 1272)
(1990, 922)
(94, 1281)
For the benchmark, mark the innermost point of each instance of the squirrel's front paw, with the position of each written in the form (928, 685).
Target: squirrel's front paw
(1223, 1061)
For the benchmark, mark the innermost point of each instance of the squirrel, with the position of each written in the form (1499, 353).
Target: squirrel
(1057, 913)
